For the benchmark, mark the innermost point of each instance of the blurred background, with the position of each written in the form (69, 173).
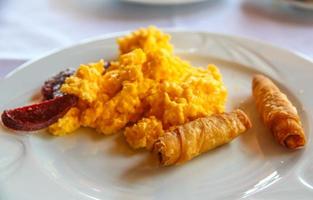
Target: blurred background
(33, 27)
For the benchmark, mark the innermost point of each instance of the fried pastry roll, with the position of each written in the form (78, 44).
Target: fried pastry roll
(278, 113)
(187, 141)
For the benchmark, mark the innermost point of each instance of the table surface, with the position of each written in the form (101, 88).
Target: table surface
(33, 27)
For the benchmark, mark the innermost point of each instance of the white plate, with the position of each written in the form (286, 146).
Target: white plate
(86, 165)
(300, 4)
(164, 2)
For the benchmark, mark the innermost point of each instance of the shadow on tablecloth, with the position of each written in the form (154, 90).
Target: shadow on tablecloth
(275, 11)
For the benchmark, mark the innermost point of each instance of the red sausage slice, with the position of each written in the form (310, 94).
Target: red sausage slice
(38, 116)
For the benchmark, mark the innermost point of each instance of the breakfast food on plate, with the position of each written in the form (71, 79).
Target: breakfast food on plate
(184, 142)
(161, 102)
(277, 113)
(38, 116)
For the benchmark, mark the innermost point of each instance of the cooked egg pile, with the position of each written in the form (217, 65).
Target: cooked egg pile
(144, 92)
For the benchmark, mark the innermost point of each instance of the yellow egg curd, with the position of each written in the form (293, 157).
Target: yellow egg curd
(145, 91)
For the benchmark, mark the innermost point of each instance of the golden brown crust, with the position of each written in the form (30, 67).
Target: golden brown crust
(277, 113)
(191, 139)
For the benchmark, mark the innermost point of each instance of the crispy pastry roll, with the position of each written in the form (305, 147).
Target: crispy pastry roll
(277, 113)
(187, 141)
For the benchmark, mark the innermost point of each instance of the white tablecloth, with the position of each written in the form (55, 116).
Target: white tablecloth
(30, 28)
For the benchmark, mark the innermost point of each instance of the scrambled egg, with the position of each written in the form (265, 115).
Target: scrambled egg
(146, 90)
